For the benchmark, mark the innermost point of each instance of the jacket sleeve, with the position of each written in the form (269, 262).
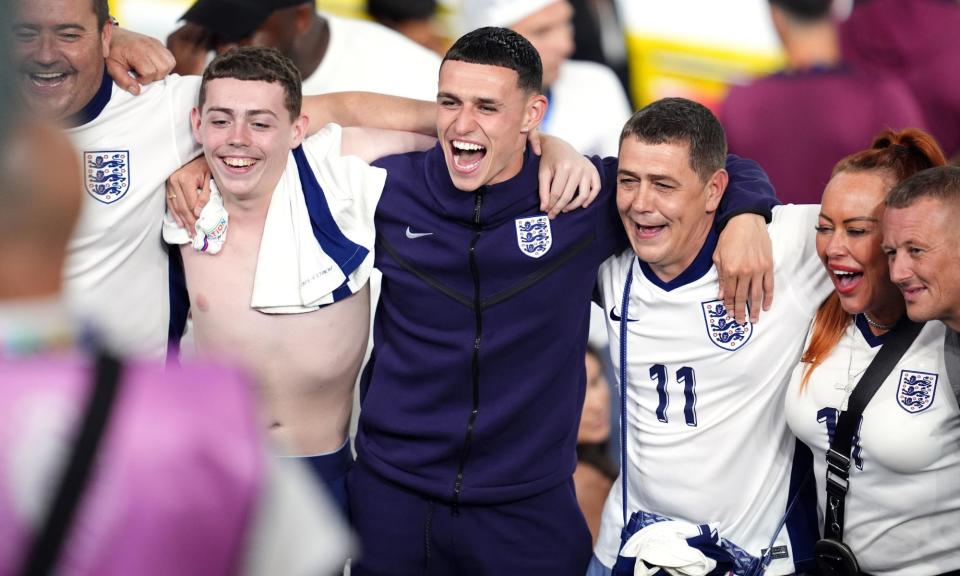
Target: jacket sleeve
(748, 191)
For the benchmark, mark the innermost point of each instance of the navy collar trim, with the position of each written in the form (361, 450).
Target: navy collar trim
(696, 270)
(872, 339)
(95, 106)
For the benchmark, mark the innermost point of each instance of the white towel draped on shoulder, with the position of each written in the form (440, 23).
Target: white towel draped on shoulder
(298, 269)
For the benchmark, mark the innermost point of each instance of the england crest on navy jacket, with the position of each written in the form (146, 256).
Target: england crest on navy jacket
(107, 174)
(534, 236)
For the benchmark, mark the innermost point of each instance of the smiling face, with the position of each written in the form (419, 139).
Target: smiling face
(483, 117)
(246, 133)
(921, 243)
(666, 209)
(60, 51)
(848, 242)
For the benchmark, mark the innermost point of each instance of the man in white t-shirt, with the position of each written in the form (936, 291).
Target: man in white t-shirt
(706, 438)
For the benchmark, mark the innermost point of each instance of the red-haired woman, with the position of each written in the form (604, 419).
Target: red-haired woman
(902, 510)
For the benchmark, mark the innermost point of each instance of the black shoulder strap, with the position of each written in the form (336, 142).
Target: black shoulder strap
(894, 347)
(48, 542)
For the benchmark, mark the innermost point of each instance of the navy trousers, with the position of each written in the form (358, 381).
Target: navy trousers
(403, 533)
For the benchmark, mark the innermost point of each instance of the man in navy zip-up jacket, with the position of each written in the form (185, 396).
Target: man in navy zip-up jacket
(471, 400)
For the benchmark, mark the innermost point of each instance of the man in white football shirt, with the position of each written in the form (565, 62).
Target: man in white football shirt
(706, 439)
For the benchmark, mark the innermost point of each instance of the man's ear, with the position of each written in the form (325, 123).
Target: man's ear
(195, 124)
(105, 35)
(535, 109)
(716, 186)
(303, 18)
(298, 131)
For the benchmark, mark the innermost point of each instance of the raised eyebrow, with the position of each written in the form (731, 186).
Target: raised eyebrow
(260, 112)
(68, 27)
(487, 101)
(231, 112)
(860, 219)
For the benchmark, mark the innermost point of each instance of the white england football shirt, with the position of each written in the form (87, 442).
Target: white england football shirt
(707, 437)
(116, 269)
(902, 513)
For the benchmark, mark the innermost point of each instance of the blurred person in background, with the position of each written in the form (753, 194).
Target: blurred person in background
(595, 470)
(415, 19)
(332, 53)
(797, 122)
(588, 105)
(599, 37)
(110, 467)
(903, 480)
(915, 41)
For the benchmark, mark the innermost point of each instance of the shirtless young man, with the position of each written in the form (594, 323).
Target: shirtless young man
(282, 286)
(306, 352)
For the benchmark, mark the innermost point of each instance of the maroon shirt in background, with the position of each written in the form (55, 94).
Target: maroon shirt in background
(919, 42)
(797, 125)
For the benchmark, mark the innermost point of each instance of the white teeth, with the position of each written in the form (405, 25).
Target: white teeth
(843, 273)
(48, 75)
(238, 162)
(467, 146)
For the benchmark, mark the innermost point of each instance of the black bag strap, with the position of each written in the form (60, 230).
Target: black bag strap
(49, 541)
(895, 345)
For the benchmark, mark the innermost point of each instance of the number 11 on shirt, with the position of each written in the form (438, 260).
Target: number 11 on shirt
(685, 376)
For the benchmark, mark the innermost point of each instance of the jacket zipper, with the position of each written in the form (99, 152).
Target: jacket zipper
(475, 363)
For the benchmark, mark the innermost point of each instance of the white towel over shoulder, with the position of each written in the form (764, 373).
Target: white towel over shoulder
(294, 274)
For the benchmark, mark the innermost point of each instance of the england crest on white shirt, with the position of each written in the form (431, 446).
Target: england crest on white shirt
(534, 236)
(722, 329)
(916, 390)
(106, 174)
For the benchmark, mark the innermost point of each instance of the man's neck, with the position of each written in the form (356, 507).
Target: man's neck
(671, 272)
(251, 209)
(816, 46)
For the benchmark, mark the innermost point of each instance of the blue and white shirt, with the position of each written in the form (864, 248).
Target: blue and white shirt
(116, 269)
(707, 438)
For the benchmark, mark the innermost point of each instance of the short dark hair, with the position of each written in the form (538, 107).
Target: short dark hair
(940, 182)
(257, 63)
(501, 47)
(401, 10)
(681, 121)
(102, 9)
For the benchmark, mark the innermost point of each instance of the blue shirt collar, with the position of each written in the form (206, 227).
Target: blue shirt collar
(872, 339)
(700, 265)
(95, 106)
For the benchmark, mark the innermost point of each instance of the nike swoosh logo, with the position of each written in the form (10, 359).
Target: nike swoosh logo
(414, 235)
(616, 317)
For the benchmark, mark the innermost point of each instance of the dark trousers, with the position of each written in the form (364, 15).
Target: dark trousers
(403, 533)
